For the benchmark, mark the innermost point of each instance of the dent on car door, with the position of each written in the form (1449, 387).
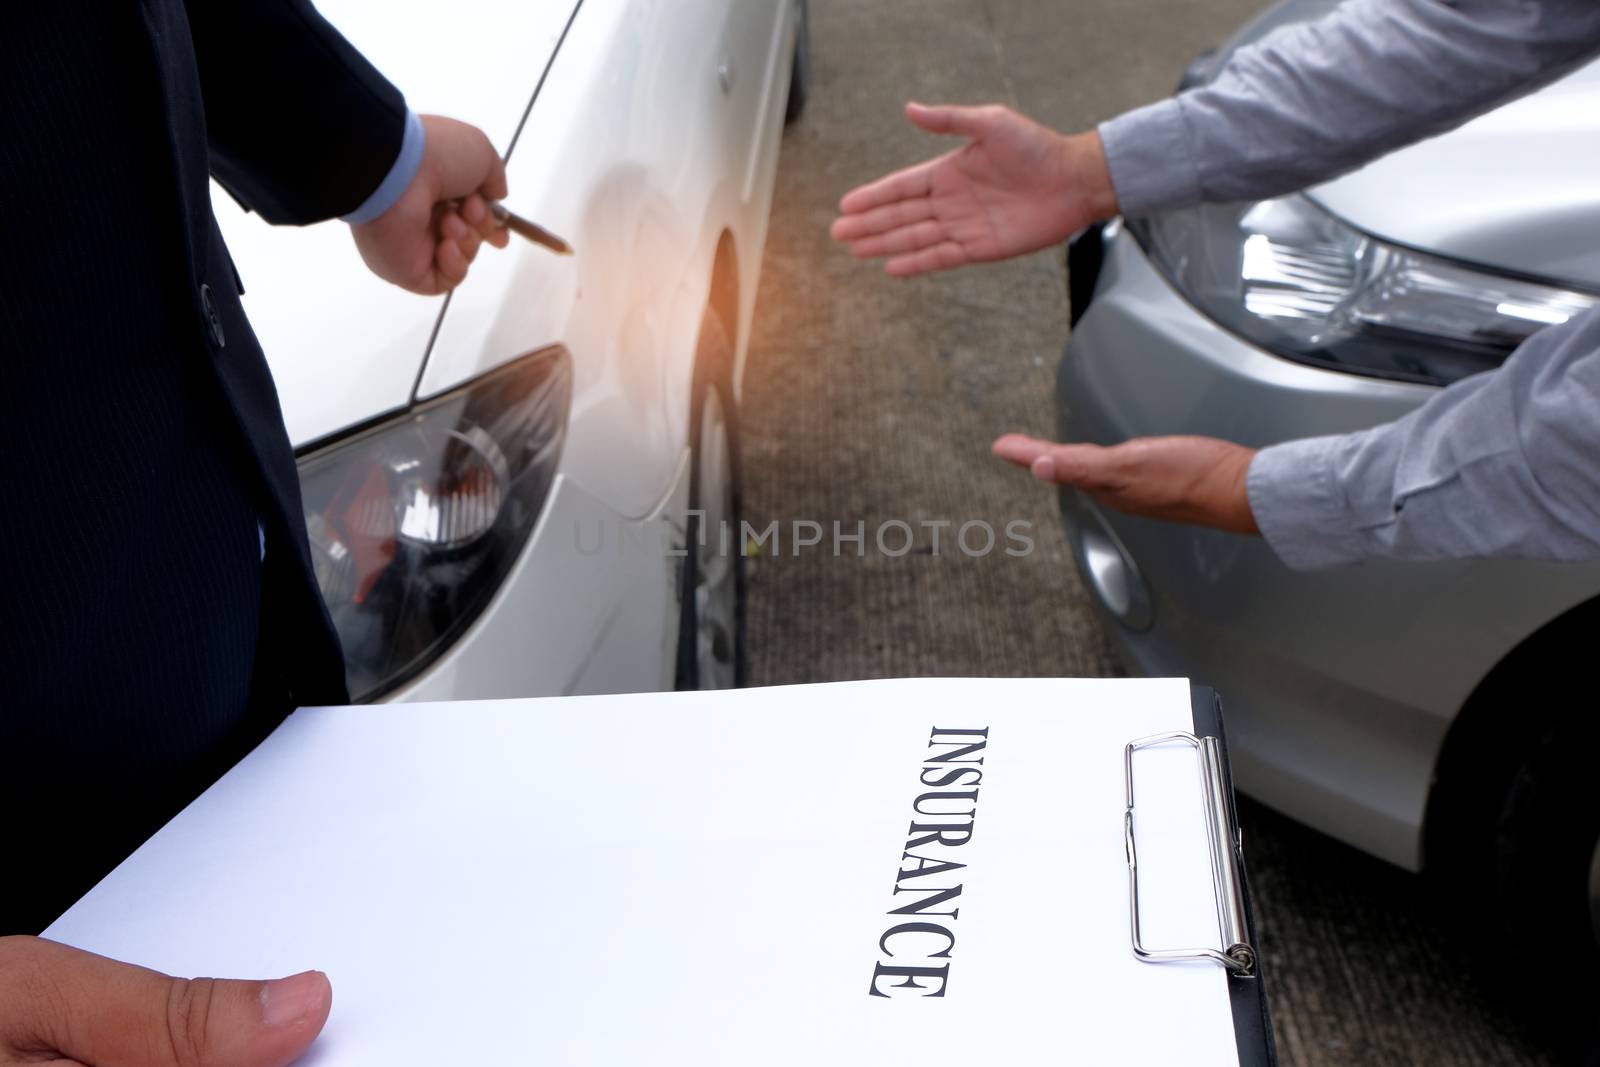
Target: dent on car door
(634, 153)
(670, 136)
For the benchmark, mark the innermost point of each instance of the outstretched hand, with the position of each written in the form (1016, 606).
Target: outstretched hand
(428, 239)
(1015, 187)
(1198, 480)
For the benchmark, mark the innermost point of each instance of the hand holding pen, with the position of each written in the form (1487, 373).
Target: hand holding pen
(427, 240)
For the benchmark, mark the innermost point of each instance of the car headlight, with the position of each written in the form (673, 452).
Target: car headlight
(1297, 281)
(415, 522)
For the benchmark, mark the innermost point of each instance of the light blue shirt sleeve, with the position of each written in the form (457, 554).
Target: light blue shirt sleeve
(1499, 464)
(394, 183)
(1313, 100)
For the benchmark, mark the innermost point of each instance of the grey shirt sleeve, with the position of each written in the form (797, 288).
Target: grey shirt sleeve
(1316, 99)
(1505, 463)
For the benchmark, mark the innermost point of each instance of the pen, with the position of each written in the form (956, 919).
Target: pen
(535, 233)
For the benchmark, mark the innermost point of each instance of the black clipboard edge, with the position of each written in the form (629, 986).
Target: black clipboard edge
(1252, 1022)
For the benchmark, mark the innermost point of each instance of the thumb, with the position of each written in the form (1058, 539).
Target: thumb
(102, 1013)
(962, 121)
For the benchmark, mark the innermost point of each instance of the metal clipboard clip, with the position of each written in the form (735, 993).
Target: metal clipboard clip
(1236, 953)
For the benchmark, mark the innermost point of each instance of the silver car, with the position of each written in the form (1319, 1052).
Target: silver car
(1438, 716)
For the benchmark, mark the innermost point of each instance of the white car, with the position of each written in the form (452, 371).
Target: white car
(502, 488)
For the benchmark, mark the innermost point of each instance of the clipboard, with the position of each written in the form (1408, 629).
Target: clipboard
(1236, 951)
(715, 879)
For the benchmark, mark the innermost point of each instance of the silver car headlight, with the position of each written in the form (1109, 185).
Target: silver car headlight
(1290, 277)
(415, 522)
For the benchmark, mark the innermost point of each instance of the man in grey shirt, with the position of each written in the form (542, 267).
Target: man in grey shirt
(1505, 463)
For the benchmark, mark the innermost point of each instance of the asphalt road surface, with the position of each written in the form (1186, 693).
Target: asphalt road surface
(873, 401)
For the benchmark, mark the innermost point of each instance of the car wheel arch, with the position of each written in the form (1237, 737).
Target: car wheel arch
(1479, 741)
(1510, 831)
(723, 296)
(1483, 738)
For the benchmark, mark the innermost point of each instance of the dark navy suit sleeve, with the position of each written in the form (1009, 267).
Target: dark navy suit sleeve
(301, 127)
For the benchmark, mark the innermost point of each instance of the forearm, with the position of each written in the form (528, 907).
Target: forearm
(301, 126)
(1502, 464)
(1314, 100)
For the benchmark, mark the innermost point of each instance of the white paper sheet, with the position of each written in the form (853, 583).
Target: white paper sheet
(696, 879)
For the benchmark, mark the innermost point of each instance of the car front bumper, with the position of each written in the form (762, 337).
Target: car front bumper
(591, 606)
(1340, 685)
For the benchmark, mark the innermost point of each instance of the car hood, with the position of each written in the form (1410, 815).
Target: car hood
(343, 346)
(1514, 189)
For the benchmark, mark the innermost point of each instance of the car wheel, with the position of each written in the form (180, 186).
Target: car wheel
(1525, 881)
(1547, 867)
(800, 80)
(711, 627)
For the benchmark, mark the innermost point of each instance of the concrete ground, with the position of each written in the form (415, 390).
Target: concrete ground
(869, 400)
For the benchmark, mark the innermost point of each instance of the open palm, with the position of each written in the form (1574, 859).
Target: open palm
(1016, 187)
(1199, 480)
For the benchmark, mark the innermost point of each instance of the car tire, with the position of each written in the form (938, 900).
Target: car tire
(800, 80)
(1547, 868)
(712, 586)
(1523, 880)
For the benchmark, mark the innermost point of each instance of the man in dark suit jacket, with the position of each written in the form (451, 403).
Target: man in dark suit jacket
(161, 614)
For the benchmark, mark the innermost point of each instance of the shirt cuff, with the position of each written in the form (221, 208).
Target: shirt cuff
(1151, 159)
(1299, 504)
(394, 183)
